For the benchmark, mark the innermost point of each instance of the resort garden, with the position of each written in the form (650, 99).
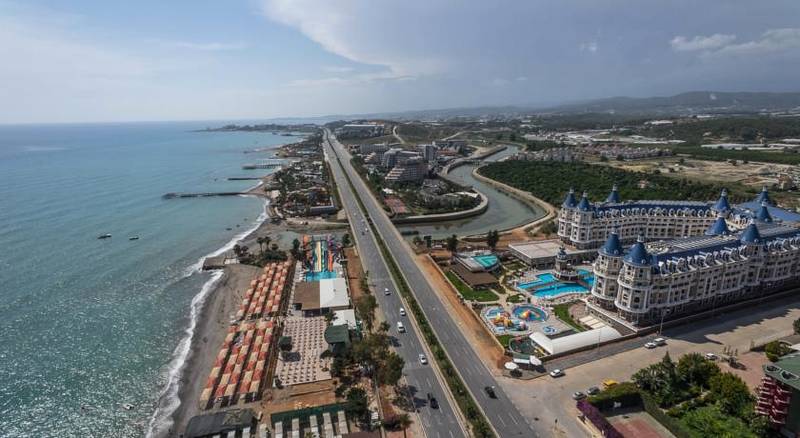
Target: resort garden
(692, 397)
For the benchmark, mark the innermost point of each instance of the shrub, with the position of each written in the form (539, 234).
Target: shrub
(775, 350)
(625, 393)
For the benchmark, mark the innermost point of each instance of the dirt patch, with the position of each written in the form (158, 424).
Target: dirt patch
(484, 343)
(354, 273)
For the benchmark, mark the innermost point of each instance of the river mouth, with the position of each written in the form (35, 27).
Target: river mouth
(504, 211)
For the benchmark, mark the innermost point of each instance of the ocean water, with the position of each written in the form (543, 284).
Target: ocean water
(87, 325)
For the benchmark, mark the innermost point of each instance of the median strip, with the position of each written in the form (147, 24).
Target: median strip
(466, 404)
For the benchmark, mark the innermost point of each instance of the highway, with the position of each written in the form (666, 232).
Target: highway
(422, 379)
(504, 417)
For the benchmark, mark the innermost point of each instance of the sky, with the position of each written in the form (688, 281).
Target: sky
(98, 60)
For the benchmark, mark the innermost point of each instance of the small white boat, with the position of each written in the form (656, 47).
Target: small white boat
(127, 406)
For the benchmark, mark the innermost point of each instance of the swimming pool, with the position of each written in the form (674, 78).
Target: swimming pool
(487, 261)
(560, 289)
(317, 276)
(540, 280)
(527, 312)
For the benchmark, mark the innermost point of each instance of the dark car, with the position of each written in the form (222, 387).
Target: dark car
(432, 401)
(593, 390)
(490, 391)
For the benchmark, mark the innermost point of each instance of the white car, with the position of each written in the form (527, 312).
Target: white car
(402, 312)
(422, 359)
(650, 345)
(386, 291)
(556, 373)
(400, 327)
(711, 356)
(660, 341)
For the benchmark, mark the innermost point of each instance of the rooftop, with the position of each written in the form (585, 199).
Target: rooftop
(786, 370)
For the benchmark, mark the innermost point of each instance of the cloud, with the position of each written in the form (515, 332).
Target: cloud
(771, 41)
(591, 47)
(699, 42)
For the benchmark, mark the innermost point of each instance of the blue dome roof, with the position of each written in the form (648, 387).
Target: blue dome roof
(718, 228)
(762, 215)
(612, 247)
(751, 234)
(562, 253)
(722, 204)
(584, 205)
(764, 197)
(614, 197)
(638, 254)
(570, 201)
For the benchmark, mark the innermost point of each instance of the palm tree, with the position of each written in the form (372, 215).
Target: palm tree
(260, 241)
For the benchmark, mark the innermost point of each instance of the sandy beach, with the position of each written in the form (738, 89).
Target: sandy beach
(212, 325)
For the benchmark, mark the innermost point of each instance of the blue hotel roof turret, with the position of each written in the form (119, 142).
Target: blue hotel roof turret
(585, 205)
(612, 247)
(751, 234)
(764, 197)
(614, 197)
(718, 228)
(762, 215)
(569, 201)
(638, 254)
(722, 205)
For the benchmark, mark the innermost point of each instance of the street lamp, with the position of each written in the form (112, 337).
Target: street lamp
(661, 325)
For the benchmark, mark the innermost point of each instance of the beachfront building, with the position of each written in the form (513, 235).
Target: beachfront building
(684, 276)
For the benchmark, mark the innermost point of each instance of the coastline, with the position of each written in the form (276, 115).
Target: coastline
(179, 400)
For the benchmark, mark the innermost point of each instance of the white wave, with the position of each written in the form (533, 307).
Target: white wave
(168, 400)
(197, 266)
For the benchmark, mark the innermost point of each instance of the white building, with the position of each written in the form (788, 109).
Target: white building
(413, 169)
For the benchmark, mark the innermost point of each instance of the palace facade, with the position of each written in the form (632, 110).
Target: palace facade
(740, 254)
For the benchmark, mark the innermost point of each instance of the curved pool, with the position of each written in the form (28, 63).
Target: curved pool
(528, 312)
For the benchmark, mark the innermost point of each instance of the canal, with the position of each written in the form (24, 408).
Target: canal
(504, 211)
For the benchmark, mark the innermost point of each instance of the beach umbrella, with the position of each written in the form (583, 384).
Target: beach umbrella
(206, 394)
(511, 366)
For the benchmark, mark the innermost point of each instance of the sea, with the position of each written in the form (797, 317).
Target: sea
(88, 326)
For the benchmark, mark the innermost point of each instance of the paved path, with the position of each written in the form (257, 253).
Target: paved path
(503, 415)
(421, 378)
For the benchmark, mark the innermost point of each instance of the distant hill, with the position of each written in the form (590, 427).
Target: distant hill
(694, 102)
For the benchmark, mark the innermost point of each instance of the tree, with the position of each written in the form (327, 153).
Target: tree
(775, 350)
(357, 405)
(346, 239)
(796, 326)
(731, 394)
(452, 243)
(296, 249)
(696, 370)
(390, 369)
(365, 306)
(492, 237)
(260, 241)
(384, 327)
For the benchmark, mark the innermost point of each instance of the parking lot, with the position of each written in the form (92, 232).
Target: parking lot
(547, 399)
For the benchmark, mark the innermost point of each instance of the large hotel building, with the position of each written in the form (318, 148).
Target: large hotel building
(685, 257)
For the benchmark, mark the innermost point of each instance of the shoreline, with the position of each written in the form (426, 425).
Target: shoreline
(212, 319)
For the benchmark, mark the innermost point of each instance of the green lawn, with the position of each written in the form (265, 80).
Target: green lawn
(518, 298)
(467, 292)
(562, 313)
(504, 339)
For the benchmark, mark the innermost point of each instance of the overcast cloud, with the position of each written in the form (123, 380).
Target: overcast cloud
(273, 58)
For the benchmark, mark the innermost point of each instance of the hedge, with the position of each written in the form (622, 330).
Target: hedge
(672, 424)
(627, 394)
(598, 419)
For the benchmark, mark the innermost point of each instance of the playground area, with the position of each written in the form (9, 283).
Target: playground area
(522, 319)
(323, 254)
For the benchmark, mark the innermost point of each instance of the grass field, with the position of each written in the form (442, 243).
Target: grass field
(562, 312)
(469, 293)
